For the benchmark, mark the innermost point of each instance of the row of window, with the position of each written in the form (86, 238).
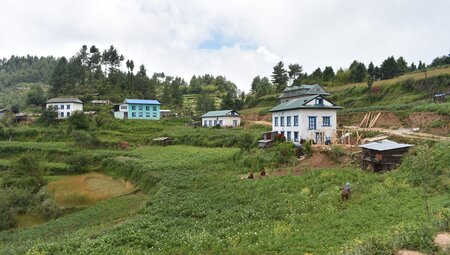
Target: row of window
(205, 123)
(312, 121)
(61, 114)
(141, 115)
(209, 123)
(61, 107)
(289, 136)
(147, 108)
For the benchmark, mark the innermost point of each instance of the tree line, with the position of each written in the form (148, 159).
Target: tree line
(357, 72)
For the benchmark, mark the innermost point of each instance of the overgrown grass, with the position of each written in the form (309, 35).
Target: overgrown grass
(86, 189)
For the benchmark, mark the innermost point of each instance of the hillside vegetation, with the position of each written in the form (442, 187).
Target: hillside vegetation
(196, 201)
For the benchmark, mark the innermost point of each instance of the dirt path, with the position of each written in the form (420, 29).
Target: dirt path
(403, 132)
(259, 122)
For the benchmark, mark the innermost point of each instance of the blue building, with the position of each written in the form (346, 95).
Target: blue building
(138, 109)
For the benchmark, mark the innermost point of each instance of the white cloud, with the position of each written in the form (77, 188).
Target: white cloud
(165, 35)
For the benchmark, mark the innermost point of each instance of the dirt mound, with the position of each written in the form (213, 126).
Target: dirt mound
(408, 252)
(256, 117)
(318, 160)
(443, 241)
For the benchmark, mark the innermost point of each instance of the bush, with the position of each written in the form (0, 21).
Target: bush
(79, 163)
(308, 148)
(48, 116)
(78, 121)
(246, 141)
(286, 152)
(336, 153)
(83, 139)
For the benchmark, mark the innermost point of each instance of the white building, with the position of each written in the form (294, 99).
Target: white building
(65, 106)
(225, 118)
(309, 117)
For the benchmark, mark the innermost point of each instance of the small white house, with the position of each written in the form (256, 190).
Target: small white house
(225, 118)
(65, 106)
(310, 118)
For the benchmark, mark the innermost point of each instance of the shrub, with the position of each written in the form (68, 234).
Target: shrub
(308, 147)
(84, 139)
(286, 152)
(336, 153)
(79, 163)
(48, 116)
(78, 121)
(246, 141)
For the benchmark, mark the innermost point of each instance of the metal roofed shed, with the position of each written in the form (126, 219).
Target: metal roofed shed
(382, 155)
(141, 101)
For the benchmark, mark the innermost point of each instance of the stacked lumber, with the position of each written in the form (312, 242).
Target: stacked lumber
(369, 120)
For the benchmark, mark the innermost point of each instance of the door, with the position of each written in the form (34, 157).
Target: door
(234, 123)
(319, 138)
(125, 115)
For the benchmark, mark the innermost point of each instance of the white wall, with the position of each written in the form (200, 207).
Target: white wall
(62, 113)
(226, 121)
(303, 125)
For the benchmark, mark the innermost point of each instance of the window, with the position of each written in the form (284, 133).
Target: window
(141, 114)
(68, 114)
(61, 107)
(154, 115)
(288, 121)
(312, 122)
(234, 123)
(147, 108)
(296, 121)
(282, 121)
(61, 114)
(123, 107)
(319, 100)
(288, 135)
(140, 108)
(295, 136)
(68, 107)
(133, 108)
(210, 123)
(221, 122)
(133, 114)
(215, 122)
(275, 121)
(154, 108)
(205, 123)
(326, 121)
(147, 115)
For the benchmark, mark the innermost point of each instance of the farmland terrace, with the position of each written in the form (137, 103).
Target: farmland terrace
(191, 199)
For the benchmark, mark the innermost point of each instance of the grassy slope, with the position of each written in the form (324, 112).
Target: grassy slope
(353, 96)
(203, 207)
(414, 76)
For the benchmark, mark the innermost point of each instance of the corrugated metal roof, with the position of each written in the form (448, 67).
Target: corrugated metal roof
(300, 103)
(385, 145)
(64, 100)
(141, 101)
(219, 113)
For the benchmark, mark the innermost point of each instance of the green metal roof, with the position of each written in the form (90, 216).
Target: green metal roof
(219, 113)
(300, 103)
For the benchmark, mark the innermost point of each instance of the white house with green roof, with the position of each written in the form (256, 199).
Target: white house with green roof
(308, 117)
(224, 118)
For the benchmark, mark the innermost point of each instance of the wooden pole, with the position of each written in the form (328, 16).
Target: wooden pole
(374, 120)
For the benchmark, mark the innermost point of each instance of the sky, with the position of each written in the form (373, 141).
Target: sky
(239, 39)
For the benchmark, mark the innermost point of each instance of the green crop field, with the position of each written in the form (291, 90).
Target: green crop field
(194, 200)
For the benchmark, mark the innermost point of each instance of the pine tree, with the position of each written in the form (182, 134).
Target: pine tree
(328, 74)
(280, 76)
